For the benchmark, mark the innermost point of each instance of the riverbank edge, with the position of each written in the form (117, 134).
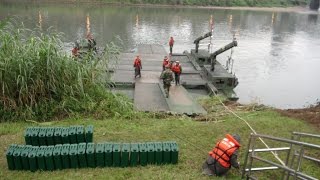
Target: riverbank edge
(310, 115)
(253, 8)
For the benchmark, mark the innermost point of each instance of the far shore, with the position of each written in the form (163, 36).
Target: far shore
(301, 9)
(298, 9)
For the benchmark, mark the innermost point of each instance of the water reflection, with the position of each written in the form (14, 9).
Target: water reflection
(88, 26)
(230, 20)
(273, 17)
(137, 21)
(312, 18)
(40, 20)
(275, 61)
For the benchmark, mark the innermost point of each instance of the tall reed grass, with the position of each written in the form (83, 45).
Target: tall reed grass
(39, 81)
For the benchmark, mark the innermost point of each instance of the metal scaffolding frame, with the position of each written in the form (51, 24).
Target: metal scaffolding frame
(292, 168)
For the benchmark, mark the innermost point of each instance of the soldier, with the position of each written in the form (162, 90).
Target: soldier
(223, 156)
(171, 42)
(167, 77)
(137, 67)
(75, 52)
(176, 68)
(91, 42)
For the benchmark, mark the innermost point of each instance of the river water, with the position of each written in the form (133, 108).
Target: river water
(277, 59)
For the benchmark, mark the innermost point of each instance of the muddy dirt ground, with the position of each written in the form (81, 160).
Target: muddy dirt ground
(311, 114)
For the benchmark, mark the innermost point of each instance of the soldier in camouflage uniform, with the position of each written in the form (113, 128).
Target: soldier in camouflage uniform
(167, 77)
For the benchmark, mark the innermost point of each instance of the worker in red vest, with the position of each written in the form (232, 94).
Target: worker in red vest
(137, 67)
(223, 156)
(75, 52)
(177, 70)
(171, 42)
(166, 62)
(91, 42)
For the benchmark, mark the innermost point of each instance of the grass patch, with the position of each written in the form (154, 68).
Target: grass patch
(186, 131)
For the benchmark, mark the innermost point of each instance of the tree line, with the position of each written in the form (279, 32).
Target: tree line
(252, 3)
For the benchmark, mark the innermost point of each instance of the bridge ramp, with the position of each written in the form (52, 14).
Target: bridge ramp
(181, 102)
(149, 97)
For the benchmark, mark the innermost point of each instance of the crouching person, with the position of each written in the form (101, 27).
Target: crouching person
(223, 156)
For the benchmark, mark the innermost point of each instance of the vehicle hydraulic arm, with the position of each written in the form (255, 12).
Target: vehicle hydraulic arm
(197, 41)
(219, 51)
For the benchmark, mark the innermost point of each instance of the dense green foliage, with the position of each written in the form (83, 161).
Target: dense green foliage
(252, 3)
(40, 81)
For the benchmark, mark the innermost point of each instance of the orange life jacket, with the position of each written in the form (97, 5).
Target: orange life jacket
(224, 150)
(176, 68)
(137, 63)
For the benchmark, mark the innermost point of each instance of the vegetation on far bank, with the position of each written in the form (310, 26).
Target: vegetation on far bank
(228, 3)
(221, 3)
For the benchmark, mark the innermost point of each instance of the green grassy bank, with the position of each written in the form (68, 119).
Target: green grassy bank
(186, 131)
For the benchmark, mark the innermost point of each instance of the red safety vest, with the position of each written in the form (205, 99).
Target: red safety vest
(75, 52)
(171, 42)
(176, 68)
(224, 150)
(165, 62)
(137, 63)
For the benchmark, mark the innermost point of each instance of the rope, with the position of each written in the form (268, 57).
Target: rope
(183, 139)
(251, 128)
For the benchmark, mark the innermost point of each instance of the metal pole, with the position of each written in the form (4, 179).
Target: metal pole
(271, 149)
(306, 134)
(287, 141)
(252, 154)
(300, 157)
(246, 158)
(311, 158)
(285, 175)
(295, 138)
(299, 174)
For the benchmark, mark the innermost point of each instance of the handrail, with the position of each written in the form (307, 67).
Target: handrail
(299, 174)
(264, 168)
(270, 149)
(288, 170)
(287, 141)
(306, 134)
(309, 158)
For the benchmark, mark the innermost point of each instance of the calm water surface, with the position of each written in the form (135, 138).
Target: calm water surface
(277, 59)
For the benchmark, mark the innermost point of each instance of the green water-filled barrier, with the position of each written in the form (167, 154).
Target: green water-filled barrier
(47, 136)
(90, 155)
(57, 148)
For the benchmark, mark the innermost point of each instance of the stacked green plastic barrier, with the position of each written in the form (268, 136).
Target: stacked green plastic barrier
(47, 136)
(84, 155)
